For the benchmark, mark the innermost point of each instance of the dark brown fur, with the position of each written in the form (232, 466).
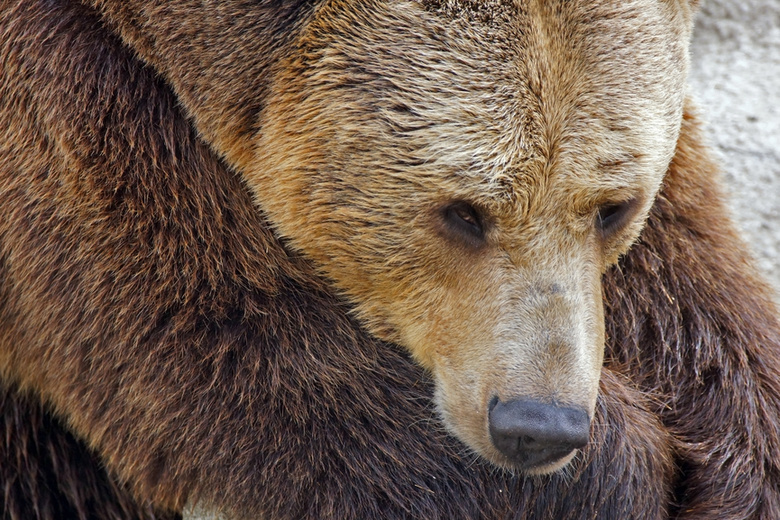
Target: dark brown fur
(687, 312)
(145, 303)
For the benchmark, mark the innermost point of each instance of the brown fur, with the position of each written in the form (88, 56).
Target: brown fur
(687, 310)
(155, 313)
(510, 112)
(527, 111)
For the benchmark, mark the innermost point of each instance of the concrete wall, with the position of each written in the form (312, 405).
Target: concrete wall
(735, 76)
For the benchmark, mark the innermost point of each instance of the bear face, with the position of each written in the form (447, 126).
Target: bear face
(464, 172)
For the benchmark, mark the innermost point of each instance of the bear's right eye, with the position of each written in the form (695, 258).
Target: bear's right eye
(611, 217)
(464, 220)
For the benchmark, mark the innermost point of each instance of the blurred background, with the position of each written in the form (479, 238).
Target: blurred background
(735, 79)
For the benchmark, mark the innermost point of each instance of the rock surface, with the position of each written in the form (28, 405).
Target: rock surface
(735, 77)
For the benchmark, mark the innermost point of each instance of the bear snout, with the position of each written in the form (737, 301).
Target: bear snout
(535, 435)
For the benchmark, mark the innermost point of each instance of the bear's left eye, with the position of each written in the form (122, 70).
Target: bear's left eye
(613, 216)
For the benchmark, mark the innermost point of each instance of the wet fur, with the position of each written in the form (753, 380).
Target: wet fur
(152, 312)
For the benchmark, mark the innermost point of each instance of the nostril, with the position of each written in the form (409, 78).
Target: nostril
(492, 404)
(531, 433)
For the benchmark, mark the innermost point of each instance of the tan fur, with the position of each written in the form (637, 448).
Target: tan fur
(160, 345)
(536, 113)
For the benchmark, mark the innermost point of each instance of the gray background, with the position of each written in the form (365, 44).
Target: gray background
(735, 77)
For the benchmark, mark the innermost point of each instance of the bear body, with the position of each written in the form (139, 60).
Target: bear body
(161, 345)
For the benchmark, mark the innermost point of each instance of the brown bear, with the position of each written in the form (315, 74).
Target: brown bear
(162, 344)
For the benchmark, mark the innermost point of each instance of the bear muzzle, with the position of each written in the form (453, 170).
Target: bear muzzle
(534, 436)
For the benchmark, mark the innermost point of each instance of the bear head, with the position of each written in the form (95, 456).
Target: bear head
(464, 172)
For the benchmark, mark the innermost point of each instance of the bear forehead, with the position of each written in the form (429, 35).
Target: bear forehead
(499, 101)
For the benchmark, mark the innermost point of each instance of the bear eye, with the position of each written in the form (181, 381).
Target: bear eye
(613, 216)
(463, 219)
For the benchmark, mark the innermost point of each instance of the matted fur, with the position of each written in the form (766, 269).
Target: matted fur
(144, 300)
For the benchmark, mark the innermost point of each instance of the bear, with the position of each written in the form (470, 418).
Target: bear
(508, 183)
(165, 339)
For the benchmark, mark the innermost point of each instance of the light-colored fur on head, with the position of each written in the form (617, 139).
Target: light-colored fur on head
(392, 122)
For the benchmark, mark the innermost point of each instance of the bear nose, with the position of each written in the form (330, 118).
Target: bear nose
(532, 434)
